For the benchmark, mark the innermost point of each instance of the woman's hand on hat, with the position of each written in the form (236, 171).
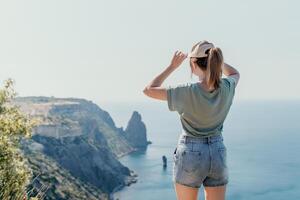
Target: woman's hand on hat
(177, 59)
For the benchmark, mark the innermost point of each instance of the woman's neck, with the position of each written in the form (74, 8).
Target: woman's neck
(204, 85)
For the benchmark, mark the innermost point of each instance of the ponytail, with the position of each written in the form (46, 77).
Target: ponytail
(214, 67)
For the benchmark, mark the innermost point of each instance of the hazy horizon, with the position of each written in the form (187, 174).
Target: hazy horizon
(107, 51)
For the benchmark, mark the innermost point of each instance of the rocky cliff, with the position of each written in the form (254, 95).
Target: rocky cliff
(52, 181)
(83, 140)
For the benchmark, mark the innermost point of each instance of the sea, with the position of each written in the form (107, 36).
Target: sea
(263, 150)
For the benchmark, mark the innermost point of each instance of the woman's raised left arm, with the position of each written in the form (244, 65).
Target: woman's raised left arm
(154, 89)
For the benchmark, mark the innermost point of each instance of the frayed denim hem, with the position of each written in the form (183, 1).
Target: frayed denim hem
(187, 184)
(216, 185)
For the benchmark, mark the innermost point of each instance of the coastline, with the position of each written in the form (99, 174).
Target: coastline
(129, 180)
(132, 178)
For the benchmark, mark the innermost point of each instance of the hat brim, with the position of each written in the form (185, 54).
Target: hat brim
(191, 55)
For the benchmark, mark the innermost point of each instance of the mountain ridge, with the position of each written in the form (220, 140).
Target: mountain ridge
(83, 139)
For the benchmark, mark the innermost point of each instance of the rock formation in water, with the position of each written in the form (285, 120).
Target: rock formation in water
(135, 132)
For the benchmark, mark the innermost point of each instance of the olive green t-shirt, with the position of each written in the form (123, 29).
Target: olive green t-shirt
(202, 113)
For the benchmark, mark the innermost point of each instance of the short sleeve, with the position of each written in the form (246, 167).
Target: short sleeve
(231, 82)
(176, 97)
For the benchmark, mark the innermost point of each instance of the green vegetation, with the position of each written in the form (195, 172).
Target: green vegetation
(14, 172)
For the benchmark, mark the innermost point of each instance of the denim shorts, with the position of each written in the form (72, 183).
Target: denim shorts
(200, 160)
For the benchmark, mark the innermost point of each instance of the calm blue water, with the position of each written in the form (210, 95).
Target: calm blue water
(263, 142)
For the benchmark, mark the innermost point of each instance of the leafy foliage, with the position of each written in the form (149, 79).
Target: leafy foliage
(14, 172)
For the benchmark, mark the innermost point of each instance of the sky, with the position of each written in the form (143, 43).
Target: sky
(108, 51)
